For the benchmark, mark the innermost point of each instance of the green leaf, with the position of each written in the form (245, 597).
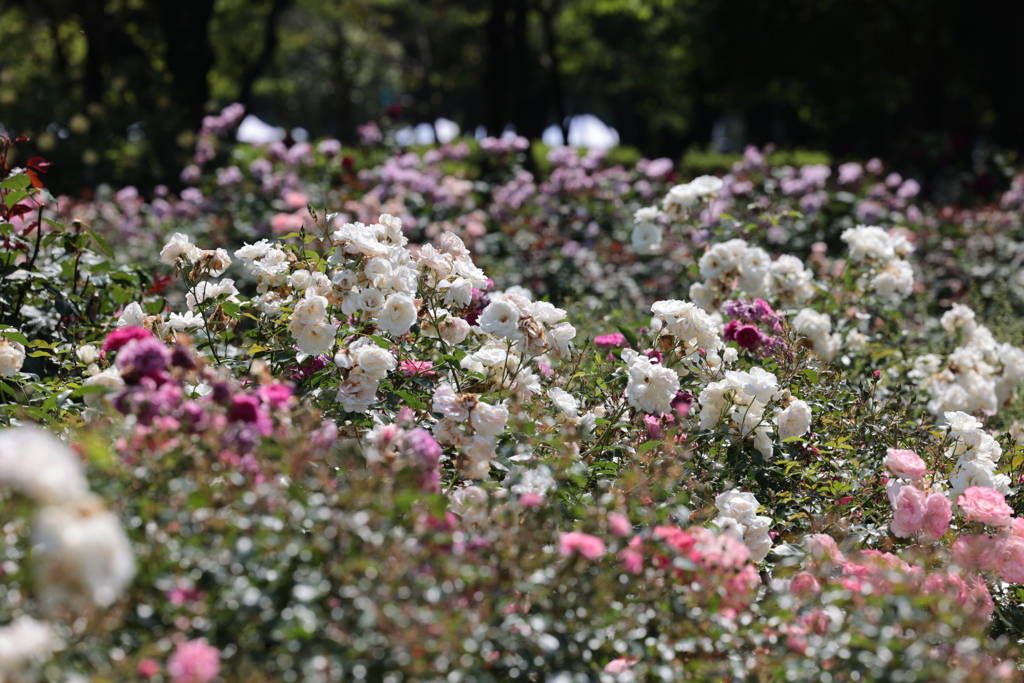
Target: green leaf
(16, 182)
(630, 337)
(648, 446)
(14, 197)
(14, 335)
(102, 243)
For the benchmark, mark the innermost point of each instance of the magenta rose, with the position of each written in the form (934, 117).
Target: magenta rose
(905, 463)
(985, 505)
(748, 336)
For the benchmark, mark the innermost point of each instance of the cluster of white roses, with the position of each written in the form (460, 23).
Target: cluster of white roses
(213, 261)
(977, 454)
(732, 268)
(651, 386)
(740, 400)
(884, 255)
(471, 425)
(82, 555)
(12, 357)
(365, 364)
(690, 327)
(681, 197)
(817, 328)
(738, 517)
(536, 327)
(314, 333)
(980, 375)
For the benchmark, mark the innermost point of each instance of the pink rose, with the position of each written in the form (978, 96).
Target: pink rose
(194, 661)
(908, 513)
(620, 665)
(1017, 526)
(937, 513)
(977, 552)
(590, 547)
(804, 585)
(823, 548)
(905, 464)
(985, 505)
(632, 561)
(1011, 559)
(619, 524)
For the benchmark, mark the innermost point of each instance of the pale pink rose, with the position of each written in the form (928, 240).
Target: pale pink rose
(194, 661)
(1017, 526)
(937, 513)
(1011, 559)
(804, 585)
(905, 464)
(619, 524)
(620, 665)
(590, 547)
(823, 548)
(977, 552)
(980, 596)
(632, 560)
(908, 513)
(985, 505)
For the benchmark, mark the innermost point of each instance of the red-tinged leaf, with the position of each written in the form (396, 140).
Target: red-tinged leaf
(34, 177)
(19, 210)
(20, 138)
(161, 284)
(39, 164)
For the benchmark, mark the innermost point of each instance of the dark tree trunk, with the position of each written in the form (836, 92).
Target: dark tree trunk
(495, 74)
(266, 56)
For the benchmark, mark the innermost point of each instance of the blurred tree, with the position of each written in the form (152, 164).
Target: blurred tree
(114, 90)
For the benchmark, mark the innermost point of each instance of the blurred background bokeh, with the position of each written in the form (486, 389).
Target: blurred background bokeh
(116, 90)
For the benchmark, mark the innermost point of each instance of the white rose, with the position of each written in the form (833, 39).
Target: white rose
(501, 318)
(564, 401)
(299, 280)
(88, 354)
(370, 300)
(478, 452)
(560, 337)
(375, 361)
(739, 505)
(310, 311)
(454, 330)
(133, 316)
(82, 553)
(646, 238)
(470, 504)
(12, 357)
(488, 420)
(397, 315)
(447, 402)
(109, 379)
(459, 292)
(794, 420)
(50, 475)
(252, 251)
(315, 339)
(179, 246)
